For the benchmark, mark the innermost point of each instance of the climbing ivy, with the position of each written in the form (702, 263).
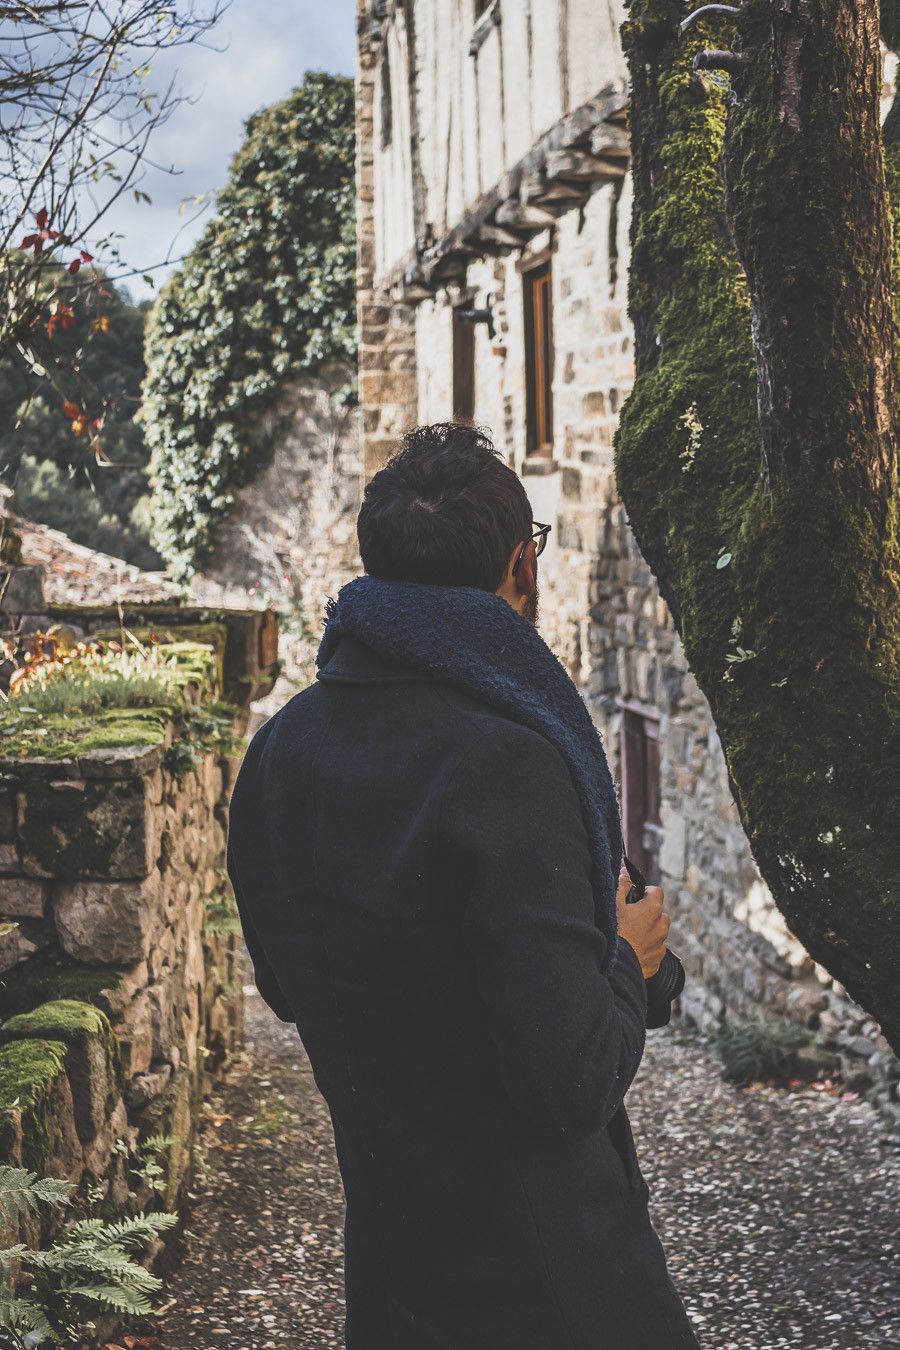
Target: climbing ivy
(268, 292)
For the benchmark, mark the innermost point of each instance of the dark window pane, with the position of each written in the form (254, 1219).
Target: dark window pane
(537, 287)
(463, 369)
(386, 110)
(641, 790)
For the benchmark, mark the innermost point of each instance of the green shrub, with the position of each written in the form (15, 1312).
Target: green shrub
(759, 1050)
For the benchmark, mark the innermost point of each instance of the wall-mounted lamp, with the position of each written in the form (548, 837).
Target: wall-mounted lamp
(486, 315)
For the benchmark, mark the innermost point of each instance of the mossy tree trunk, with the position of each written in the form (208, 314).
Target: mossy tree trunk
(757, 455)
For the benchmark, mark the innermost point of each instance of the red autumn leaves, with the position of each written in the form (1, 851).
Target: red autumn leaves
(44, 235)
(82, 425)
(62, 318)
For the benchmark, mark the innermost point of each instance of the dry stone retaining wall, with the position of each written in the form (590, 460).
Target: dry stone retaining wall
(118, 1002)
(120, 994)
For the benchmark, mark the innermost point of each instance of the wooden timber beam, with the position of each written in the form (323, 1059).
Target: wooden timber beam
(585, 149)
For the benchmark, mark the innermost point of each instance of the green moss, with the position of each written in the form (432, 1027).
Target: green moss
(52, 977)
(688, 298)
(28, 1070)
(809, 724)
(61, 736)
(74, 1023)
(62, 1019)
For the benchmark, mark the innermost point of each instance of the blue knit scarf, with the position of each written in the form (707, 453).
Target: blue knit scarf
(477, 643)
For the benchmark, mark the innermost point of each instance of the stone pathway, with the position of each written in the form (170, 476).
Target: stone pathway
(778, 1209)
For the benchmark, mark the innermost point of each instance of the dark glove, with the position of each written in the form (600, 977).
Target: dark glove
(665, 986)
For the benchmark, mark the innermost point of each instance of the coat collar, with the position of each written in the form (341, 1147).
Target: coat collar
(354, 663)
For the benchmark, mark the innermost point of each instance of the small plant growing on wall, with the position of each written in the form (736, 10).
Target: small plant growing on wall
(759, 1050)
(54, 1297)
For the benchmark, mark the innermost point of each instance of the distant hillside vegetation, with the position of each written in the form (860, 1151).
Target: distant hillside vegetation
(58, 478)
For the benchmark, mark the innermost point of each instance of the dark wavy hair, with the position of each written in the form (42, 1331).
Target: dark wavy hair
(445, 510)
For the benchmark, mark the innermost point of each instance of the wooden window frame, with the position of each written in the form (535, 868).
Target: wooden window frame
(463, 358)
(537, 297)
(640, 752)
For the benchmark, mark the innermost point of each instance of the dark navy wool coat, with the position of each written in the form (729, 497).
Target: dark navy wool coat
(413, 878)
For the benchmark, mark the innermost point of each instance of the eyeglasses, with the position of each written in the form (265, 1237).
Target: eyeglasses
(540, 537)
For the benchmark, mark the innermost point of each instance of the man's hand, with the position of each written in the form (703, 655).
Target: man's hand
(644, 925)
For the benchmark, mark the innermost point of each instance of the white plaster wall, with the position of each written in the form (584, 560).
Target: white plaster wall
(479, 114)
(548, 76)
(394, 230)
(595, 56)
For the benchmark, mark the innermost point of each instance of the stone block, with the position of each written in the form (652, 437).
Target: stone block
(73, 828)
(98, 1151)
(21, 590)
(122, 761)
(23, 897)
(144, 1087)
(107, 922)
(19, 940)
(91, 1058)
(134, 1032)
(37, 1116)
(166, 1033)
(7, 816)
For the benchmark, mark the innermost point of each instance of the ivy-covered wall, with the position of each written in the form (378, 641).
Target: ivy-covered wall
(266, 297)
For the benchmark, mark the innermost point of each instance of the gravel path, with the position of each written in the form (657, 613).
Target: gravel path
(778, 1209)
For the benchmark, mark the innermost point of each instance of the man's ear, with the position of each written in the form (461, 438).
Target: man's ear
(515, 590)
(526, 578)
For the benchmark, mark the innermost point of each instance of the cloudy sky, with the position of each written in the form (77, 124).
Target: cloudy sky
(260, 51)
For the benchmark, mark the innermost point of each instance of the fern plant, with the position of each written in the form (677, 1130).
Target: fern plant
(23, 1192)
(50, 1298)
(147, 1167)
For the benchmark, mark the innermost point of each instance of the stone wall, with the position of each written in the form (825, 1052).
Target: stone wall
(118, 1000)
(120, 992)
(387, 331)
(290, 540)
